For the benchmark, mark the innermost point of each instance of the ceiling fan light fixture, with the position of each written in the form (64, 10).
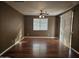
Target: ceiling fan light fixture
(42, 14)
(39, 16)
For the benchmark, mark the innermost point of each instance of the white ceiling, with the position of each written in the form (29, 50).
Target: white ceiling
(33, 7)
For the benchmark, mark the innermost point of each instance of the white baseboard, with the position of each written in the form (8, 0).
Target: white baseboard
(38, 37)
(11, 46)
(75, 50)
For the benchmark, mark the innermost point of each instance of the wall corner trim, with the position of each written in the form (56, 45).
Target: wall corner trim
(38, 37)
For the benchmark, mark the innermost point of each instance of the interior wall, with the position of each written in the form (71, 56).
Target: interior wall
(75, 36)
(66, 28)
(28, 27)
(57, 26)
(11, 26)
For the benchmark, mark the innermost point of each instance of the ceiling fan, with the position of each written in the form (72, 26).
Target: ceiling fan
(43, 14)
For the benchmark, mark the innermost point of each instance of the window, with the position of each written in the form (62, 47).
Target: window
(40, 24)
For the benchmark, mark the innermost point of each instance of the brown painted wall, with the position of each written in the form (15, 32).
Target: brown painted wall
(57, 26)
(75, 36)
(11, 22)
(28, 26)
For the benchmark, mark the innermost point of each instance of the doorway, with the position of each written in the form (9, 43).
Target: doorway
(66, 21)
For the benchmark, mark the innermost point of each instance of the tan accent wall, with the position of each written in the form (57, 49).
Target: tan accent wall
(28, 27)
(75, 36)
(11, 26)
(57, 26)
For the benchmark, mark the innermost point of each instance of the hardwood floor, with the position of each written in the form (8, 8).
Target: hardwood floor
(39, 48)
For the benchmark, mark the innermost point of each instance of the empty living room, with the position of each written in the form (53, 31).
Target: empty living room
(39, 29)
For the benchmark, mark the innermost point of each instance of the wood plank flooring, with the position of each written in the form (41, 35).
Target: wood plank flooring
(39, 48)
